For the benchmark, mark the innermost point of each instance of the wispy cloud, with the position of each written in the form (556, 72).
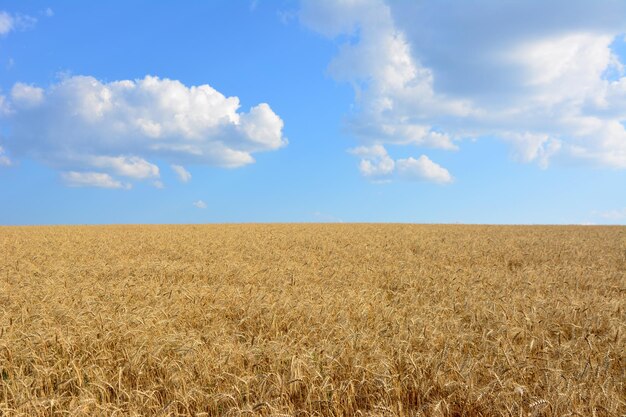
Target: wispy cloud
(182, 173)
(11, 22)
(4, 159)
(200, 204)
(326, 218)
(92, 179)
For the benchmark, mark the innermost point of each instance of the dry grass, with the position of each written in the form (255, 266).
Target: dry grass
(303, 320)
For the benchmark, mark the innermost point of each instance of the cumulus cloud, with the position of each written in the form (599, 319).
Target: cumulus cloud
(183, 174)
(10, 22)
(200, 204)
(424, 169)
(541, 75)
(115, 128)
(375, 161)
(377, 165)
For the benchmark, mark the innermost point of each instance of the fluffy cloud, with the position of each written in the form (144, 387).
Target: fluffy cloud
(87, 126)
(26, 96)
(377, 165)
(131, 167)
(541, 75)
(183, 174)
(375, 162)
(423, 168)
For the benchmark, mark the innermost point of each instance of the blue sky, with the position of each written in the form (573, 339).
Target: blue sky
(313, 111)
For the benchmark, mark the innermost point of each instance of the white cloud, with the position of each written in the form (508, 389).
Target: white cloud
(528, 147)
(4, 160)
(11, 22)
(6, 23)
(83, 124)
(375, 162)
(26, 96)
(377, 165)
(5, 109)
(132, 167)
(200, 204)
(92, 179)
(423, 168)
(431, 73)
(183, 174)
(48, 12)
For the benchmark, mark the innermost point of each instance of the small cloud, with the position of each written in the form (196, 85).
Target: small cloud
(132, 167)
(158, 184)
(26, 96)
(48, 12)
(379, 167)
(11, 22)
(424, 169)
(4, 160)
(92, 179)
(200, 204)
(375, 161)
(5, 109)
(287, 16)
(6, 23)
(183, 174)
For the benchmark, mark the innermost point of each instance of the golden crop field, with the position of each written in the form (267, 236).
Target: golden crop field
(313, 320)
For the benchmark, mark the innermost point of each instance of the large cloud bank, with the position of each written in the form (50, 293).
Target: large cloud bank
(105, 134)
(540, 75)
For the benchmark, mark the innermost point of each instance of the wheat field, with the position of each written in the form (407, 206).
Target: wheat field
(313, 320)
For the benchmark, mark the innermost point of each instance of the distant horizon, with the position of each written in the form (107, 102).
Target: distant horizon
(313, 223)
(313, 111)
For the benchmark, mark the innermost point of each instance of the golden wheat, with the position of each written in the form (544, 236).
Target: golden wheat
(304, 320)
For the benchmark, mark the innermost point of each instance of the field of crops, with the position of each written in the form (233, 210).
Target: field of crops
(304, 320)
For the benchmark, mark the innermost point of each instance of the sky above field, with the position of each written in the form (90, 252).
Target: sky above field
(432, 111)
